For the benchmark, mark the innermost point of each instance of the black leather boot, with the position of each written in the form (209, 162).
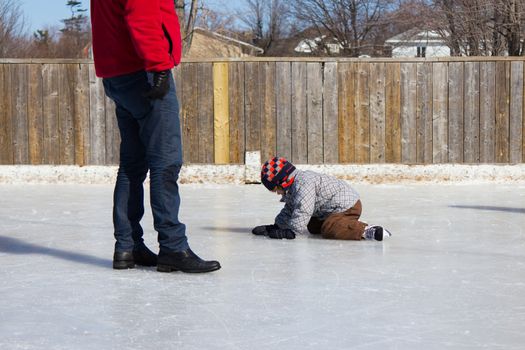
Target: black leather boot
(140, 255)
(123, 260)
(185, 261)
(144, 257)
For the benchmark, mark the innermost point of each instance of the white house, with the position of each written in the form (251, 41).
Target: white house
(312, 45)
(417, 43)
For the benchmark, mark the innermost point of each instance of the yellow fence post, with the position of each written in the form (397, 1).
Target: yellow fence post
(221, 113)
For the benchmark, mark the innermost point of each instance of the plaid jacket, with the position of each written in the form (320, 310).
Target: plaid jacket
(314, 194)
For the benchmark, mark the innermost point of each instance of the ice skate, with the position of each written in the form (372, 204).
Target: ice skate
(376, 232)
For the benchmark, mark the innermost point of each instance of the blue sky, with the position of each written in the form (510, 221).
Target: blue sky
(48, 13)
(42, 13)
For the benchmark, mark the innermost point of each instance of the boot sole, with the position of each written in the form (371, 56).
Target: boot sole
(167, 268)
(145, 264)
(123, 265)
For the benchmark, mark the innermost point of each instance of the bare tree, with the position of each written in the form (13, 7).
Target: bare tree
(215, 21)
(13, 42)
(266, 20)
(350, 22)
(510, 16)
(187, 12)
(480, 27)
(408, 14)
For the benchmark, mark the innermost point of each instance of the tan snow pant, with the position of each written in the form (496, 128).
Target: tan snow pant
(345, 225)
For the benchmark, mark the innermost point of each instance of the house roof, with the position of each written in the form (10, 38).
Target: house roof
(286, 46)
(231, 40)
(416, 35)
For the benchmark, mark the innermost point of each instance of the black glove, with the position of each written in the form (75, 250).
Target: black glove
(161, 85)
(263, 230)
(281, 233)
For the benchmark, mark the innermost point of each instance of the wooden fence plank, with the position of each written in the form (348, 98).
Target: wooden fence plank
(455, 112)
(299, 113)
(6, 121)
(97, 116)
(315, 112)
(487, 112)
(221, 113)
(362, 135)
(439, 112)
(50, 97)
(19, 104)
(268, 135)
(377, 112)
(35, 114)
(205, 110)
(330, 114)
(393, 113)
(66, 111)
(516, 112)
(236, 86)
(347, 76)
(408, 113)
(502, 111)
(252, 107)
(189, 115)
(82, 149)
(424, 114)
(472, 112)
(284, 109)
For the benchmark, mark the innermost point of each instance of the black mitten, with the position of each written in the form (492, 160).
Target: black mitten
(281, 233)
(161, 85)
(263, 229)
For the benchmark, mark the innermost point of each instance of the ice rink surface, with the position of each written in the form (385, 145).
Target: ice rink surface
(451, 277)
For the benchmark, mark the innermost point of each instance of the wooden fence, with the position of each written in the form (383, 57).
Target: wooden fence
(418, 111)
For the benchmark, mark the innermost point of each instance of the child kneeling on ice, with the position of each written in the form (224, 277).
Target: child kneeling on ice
(319, 203)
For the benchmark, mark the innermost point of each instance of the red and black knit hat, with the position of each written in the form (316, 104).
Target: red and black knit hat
(276, 172)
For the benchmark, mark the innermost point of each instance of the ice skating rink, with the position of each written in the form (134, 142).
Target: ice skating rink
(451, 277)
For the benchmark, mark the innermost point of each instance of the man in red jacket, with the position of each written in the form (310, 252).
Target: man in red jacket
(135, 45)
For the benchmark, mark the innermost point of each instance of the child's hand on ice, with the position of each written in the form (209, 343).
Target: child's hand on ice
(263, 229)
(281, 233)
(273, 231)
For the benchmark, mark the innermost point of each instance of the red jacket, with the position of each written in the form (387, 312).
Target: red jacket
(133, 35)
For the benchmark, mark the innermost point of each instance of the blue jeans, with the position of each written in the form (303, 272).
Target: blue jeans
(150, 140)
